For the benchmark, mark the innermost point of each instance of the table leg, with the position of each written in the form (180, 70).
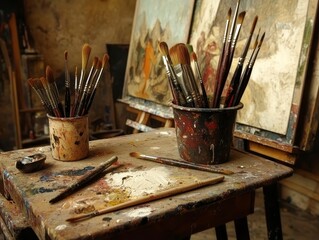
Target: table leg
(241, 228)
(272, 212)
(221, 232)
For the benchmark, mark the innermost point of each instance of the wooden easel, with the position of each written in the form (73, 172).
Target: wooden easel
(141, 113)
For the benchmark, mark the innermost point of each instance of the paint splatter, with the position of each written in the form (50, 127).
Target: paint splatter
(61, 227)
(41, 190)
(77, 172)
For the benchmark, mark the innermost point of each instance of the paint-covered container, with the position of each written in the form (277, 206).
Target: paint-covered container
(69, 138)
(204, 135)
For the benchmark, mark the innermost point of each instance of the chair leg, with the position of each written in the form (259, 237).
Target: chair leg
(221, 232)
(241, 228)
(272, 212)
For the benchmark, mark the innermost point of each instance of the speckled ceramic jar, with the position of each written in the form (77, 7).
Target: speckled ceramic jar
(69, 138)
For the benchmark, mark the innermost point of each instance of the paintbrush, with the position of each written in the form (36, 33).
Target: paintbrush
(54, 89)
(88, 81)
(239, 24)
(204, 95)
(181, 61)
(75, 92)
(247, 72)
(215, 86)
(172, 78)
(91, 86)
(149, 198)
(226, 60)
(86, 51)
(236, 77)
(50, 97)
(67, 99)
(105, 61)
(183, 164)
(184, 57)
(35, 83)
(177, 68)
(84, 180)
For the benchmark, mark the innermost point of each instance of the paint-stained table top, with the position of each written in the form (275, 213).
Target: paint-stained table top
(130, 179)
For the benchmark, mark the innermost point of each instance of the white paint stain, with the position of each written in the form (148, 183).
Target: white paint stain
(141, 182)
(155, 148)
(140, 212)
(164, 133)
(61, 227)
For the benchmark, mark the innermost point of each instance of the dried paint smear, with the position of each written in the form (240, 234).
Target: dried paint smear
(141, 182)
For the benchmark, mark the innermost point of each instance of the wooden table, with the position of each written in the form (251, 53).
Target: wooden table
(173, 217)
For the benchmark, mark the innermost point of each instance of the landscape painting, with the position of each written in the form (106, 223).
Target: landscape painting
(167, 20)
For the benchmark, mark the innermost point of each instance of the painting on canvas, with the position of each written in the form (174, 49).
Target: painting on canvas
(154, 21)
(273, 95)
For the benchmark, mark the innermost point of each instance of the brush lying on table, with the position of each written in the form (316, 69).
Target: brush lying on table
(84, 87)
(188, 88)
(181, 163)
(84, 180)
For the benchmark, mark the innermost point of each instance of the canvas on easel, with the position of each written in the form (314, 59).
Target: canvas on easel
(167, 20)
(272, 100)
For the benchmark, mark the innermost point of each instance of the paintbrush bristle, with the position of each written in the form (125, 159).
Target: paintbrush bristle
(193, 57)
(253, 25)
(86, 51)
(95, 61)
(105, 60)
(261, 40)
(49, 74)
(173, 54)
(229, 14)
(163, 47)
(44, 81)
(135, 154)
(65, 55)
(241, 17)
(183, 54)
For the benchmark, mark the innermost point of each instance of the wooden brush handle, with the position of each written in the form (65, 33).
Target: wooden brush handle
(84, 180)
(149, 198)
(67, 102)
(233, 86)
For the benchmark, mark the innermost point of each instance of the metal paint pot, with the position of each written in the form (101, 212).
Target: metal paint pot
(69, 138)
(204, 135)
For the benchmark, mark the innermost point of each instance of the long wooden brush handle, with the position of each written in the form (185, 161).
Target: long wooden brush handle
(184, 164)
(149, 198)
(233, 85)
(184, 85)
(172, 78)
(193, 86)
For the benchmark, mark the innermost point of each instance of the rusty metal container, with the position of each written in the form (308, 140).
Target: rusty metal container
(204, 135)
(69, 138)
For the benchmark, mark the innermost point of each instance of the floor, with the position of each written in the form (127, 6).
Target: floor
(296, 224)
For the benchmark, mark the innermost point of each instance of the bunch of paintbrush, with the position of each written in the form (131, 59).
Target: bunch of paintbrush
(85, 87)
(239, 79)
(184, 74)
(186, 90)
(229, 44)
